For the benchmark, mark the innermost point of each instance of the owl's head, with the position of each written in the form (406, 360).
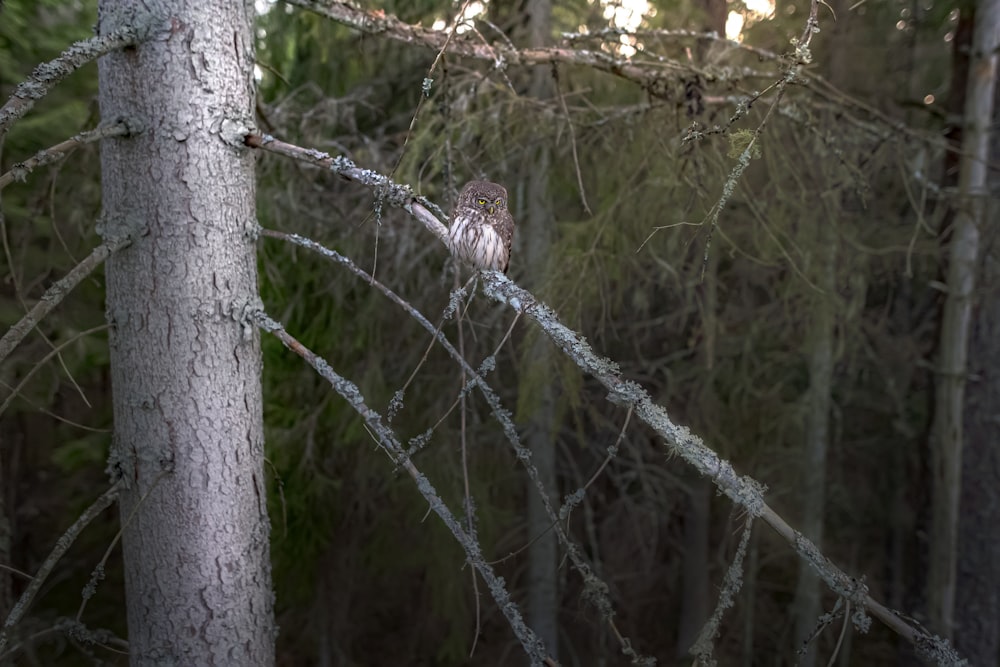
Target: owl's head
(490, 197)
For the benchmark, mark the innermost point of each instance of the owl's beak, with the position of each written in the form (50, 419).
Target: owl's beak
(491, 209)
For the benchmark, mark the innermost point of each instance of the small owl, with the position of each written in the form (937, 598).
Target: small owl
(481, 227)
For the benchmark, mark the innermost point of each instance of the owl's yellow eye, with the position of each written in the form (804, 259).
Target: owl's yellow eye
(481, 202)
(498, 202)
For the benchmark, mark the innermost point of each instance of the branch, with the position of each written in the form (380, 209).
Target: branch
(654, 75)
(533, 646)
(595, 587)
(47, 75)
(55, 294)
(743, 490)
(16, 390)
(392, 193)
(19, 172)
(62, 545)
(377, 22)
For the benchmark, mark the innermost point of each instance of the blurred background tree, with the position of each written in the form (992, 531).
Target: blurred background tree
(802, 349)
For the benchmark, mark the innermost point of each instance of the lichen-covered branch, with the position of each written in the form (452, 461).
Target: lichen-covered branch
(19, 172)
(393, 194)
(54, 295)
(653, 78)
(743, 490)
(62, 545)
(532, 645)
(47, 75)
(597, 589)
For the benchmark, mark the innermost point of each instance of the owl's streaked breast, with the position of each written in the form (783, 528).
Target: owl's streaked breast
(475, 241)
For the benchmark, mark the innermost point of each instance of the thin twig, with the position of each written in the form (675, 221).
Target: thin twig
(16, 391)
(19, 172)
(572, 140)
(98, 572)
(62, 545)
(55, 294)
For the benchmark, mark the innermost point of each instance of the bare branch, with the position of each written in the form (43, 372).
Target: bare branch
(653, 79)
(16, 391)
(55, 294)
(533, 646)
(596, 588)
(394, 194)
(47, 75)
(19, 172)
(743, 490)
(62, 545)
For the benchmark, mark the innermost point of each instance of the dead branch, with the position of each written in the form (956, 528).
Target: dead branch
(55, 294)
(47, 75)
(19, 172)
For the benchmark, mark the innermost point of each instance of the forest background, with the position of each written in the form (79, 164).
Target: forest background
(765, 253)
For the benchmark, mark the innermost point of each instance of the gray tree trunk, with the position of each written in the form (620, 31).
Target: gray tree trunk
(696, 591)
(186, 372)
(529, 23)
(817, 432)
(977, 618)
(947, 434)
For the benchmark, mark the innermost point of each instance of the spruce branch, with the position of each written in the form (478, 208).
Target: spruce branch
(55, 294)
(19, 172)
(47, 75)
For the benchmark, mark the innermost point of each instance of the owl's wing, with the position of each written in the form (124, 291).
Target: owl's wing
(507, 236)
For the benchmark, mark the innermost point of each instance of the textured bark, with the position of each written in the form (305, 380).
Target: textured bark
(185, 367)
(963, 253)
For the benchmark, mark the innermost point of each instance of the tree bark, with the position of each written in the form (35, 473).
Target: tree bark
(696, 592)
(185, 366)
(977, 618)
(817, 433)
(543, 575)
(963, 254)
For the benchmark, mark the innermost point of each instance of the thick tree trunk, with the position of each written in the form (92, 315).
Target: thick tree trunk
(963, 254)
(186, 370)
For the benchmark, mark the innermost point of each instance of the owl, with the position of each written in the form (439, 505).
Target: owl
(481, 227)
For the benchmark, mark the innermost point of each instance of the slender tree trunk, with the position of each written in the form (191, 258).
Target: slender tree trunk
(696, 594)
(6, 536)
(977, 617)
(817, 432)
(185, 367)
(963, 254)
(529, 23)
